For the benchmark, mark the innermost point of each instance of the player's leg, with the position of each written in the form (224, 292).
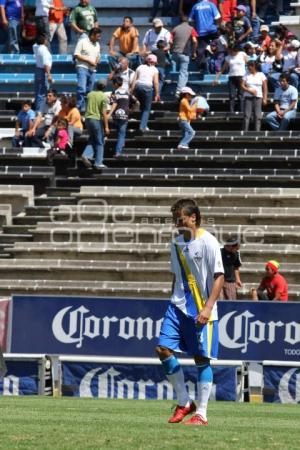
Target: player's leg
(208, 348)
(170, 340)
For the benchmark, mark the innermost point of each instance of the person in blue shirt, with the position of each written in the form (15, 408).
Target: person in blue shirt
(207, 18)
(11, 17)
(24, 123)
(285, 105)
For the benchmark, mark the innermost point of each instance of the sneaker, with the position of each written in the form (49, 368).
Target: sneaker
(100, 167)
(182, 411)
(196, 420)
(86, 162)
(183, 147)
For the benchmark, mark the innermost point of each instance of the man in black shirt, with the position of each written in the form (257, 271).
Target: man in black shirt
(232, 263)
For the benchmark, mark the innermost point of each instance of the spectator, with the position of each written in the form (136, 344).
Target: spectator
(162, 62)
(241, 25)
(228, 10)
(146, 80)
(56, 25)
(187, 112)
(95, 118)
(120, 112)
(264, 39)
(87, 54)
(24, 123)
(45, 118)
(60, 140)
(42, 8)
(250, 50)
(155, 34)
(12, 16)
(83, 18)
(290, 61)
(271, 62)
(184, 43)
(232, 263)
(29, 31)
(74, 120)
(207, 18)
(250, 6)
(122, 69)
(155, 7)
(128, 37)
(255, 88)
(273, 283)
(236, 63)
(42, 75)
(215, 59)
(285, 104)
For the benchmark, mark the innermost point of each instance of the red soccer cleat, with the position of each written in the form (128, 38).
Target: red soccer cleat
(196, 420)
(182, 411)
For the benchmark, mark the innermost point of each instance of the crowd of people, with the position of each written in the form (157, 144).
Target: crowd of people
(222, 37)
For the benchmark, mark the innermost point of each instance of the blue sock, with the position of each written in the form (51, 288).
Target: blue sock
(171, 365)
(205, 374)
(204, 387)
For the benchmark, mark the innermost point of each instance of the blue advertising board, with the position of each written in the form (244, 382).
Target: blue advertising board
(81, 379)
(281, 384)
(22, 378)
(249, 331)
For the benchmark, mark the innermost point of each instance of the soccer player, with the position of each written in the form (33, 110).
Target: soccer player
(190, 324)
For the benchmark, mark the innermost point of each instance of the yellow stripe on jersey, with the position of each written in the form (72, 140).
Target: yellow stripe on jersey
(209, 337)
(195, 289)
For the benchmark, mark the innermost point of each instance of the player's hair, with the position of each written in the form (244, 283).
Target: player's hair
(189, 206)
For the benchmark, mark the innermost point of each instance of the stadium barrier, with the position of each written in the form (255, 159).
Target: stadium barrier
(143, 378)
(281, 382)
(26, 374)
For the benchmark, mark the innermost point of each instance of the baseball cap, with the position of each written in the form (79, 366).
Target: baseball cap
(295, 43)
(273, 264)
(157, 23)
(187, 90)
(152, 58)
(232, 240)
(265, 28)
(241, 8)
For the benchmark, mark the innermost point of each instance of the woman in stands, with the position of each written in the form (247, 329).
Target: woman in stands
(71, 113)
(235, 64)
(255, 88)
(271, 62)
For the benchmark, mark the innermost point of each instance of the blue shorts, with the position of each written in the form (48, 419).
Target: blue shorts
(180, 334)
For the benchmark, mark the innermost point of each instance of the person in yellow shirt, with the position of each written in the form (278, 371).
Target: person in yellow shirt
(187, 113)
(127, 36)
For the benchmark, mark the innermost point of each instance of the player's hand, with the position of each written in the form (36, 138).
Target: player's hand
(204, 316)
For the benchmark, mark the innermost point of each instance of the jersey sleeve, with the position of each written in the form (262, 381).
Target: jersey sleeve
(215, 257)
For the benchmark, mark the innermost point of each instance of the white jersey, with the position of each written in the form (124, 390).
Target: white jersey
(194, 264)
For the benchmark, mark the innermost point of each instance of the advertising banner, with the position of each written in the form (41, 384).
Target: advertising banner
(82, 379)
(281, 384)
(22, 378)
(249, 331)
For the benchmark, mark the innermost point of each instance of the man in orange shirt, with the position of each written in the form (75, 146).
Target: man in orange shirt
(273, 286)
(56, 25)
(128, 37)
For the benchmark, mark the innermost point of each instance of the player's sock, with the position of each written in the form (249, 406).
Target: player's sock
(204, 386)
(175, 375)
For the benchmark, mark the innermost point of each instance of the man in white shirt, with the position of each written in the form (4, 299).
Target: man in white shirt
(285, 105)
(122, 70)
(190, 324)
(87, 55)
(155, 34)
(42, 75)
(42, 8)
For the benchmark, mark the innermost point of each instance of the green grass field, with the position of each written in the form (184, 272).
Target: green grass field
(69, 423)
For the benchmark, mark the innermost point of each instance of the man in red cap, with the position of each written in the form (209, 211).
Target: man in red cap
(273, 283)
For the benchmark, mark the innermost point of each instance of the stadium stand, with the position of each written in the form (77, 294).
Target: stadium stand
(70, 230)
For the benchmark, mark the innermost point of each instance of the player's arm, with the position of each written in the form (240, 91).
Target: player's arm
(205, 314)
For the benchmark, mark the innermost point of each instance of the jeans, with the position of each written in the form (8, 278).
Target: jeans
(278, 124)
(144, 95)
(235, 90)
(155, 7)
(188, 132)
(13, 36)
(85, 84)
(42, 25)
(162, 76)
(95, 146)
(41, 86)
(73, 131)
(59, 28)
(121, 135)
(134, 60)
(182, 62)
(252, 105)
